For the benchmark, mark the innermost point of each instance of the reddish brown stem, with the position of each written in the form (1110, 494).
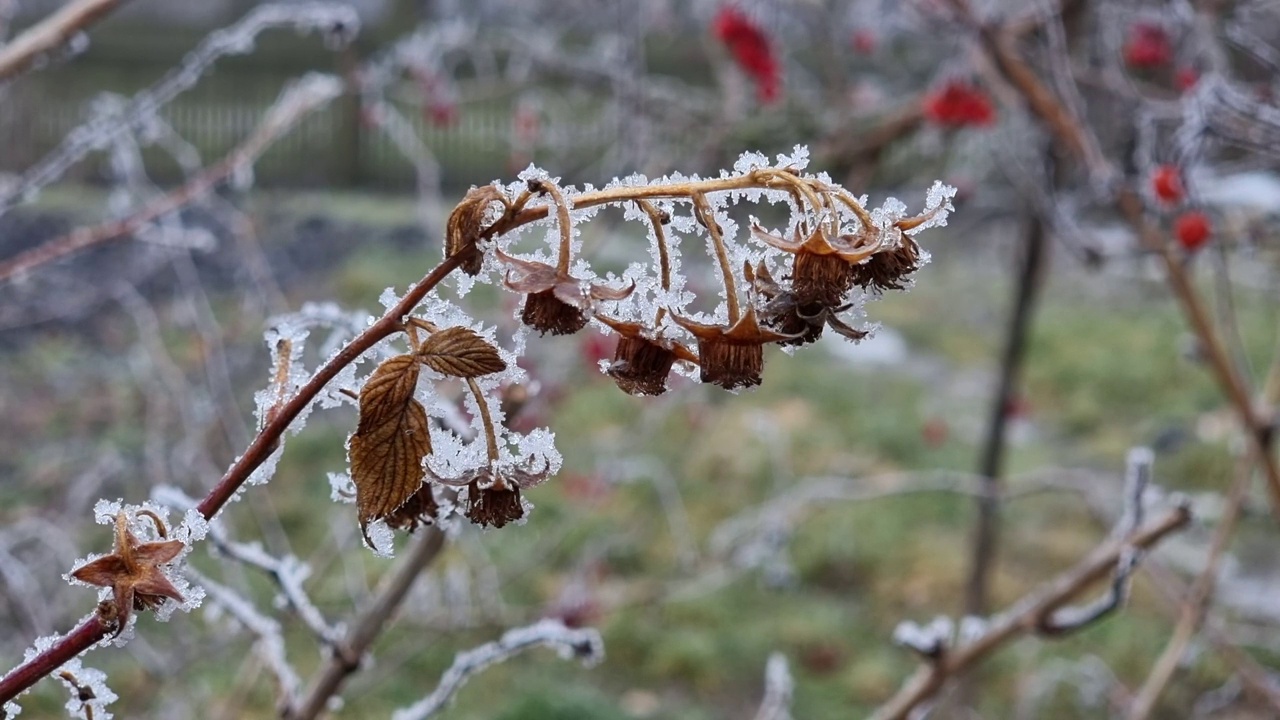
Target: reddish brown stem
(267, 440)
(86, 635)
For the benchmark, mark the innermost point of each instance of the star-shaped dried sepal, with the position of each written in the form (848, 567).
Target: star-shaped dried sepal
(642, 363)
(822, 271)
(732, 357)
(133, 571)
(555, 301)
(493, 493)
(783, 312)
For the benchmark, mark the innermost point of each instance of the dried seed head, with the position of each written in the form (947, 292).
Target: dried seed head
(420, 509)
(888, 270)
(495, 505)
(545, 312)
(640, 367)
(730, 365)
(465, 226)
(731, 357)
(820, 280)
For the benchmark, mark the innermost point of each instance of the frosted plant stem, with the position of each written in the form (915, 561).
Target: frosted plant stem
(51, 34)
(708, 218)
(98, 131)
(345, 659)
(584, 644)
(664, 253)
(299, 99)
(1024, 616)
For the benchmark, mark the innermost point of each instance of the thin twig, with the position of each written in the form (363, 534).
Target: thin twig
(1194, 608)
(1025, 616)
(779, 686)
(51, 34)
(346, 657)
(583, 644)
(990, 466)
(299, 99)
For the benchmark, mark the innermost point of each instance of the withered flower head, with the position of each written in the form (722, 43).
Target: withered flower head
(732, 357)
(783, 312)
(821, 272)
(555, 301)
(465, 226)
(420, 509)
(888, 270)
(493, 492)
(133, 571)
(641, 364)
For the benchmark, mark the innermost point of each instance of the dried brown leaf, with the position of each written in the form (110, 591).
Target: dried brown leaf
(460, 352)
(466, 224)
(390, 441)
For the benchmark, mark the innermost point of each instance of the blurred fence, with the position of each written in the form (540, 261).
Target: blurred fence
(331, 148)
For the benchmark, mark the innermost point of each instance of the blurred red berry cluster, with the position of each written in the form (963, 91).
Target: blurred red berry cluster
(1147, 46)
(959, 104)
(750, 48)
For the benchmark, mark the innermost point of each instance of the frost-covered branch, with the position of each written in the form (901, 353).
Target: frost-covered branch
(297, 100)
(582, 644)
(288, 572)
(778, 689)
(270, 644)
(948, 657)
(346, 657)
(336, 20)
(51, 34)
(1137, 479)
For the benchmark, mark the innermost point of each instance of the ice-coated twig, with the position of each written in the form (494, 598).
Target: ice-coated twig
(335, 19)
(583, 644)
(346, 657)
(1137, 479)
(778, 689)
(288, 572)
(51, 34)
(298, 99)
(270, 644)
(1025, 616)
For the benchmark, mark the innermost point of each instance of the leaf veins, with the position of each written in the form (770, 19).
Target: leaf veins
(390, 441)
(460, 352)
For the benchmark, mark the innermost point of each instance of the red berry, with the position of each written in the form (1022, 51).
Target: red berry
(1193, 230)
(1147, 46)
(1166, 181)
(751, 50)
(958, 104)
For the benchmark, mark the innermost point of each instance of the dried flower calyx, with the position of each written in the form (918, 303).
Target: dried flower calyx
(641, 361)
(133, 570)
(493, 492)
(732, 356)
(783, 312)
(555, 301)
